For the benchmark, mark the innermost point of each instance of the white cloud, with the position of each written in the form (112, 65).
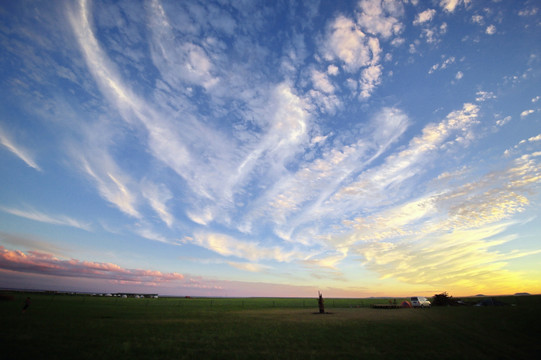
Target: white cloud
(484, 96)
(443, 28)
(535, 138)
(201, 216)
(18, 150)
(478, 19)
(370, 78)
(328, 259)
(526, 113)
(358, 51)
(429, 35)
(332, 70)
(327, 103)
(396, 42)
(503, 121)
(432, 33)
(528, 12)
(451, 5)
(228, 246)
(424, 16)
(459, 75)
(321, 82)
(536, 99)
(381, 17)
(348, 43)
(490, 30)
(443, 65)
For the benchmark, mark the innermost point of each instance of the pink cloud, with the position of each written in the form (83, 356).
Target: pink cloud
(35, 262)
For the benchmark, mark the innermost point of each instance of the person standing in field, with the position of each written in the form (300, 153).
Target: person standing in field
(26, 304)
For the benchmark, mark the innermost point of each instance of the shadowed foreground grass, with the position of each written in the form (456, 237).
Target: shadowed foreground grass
(84, 327)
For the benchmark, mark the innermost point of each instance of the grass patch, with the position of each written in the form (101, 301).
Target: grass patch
(87, 327)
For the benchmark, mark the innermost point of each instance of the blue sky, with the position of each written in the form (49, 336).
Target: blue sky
(247, 148)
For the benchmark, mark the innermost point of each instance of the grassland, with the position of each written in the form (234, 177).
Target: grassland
(84, 327)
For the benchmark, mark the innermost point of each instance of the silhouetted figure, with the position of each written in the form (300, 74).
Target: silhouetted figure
(320, 303)
(26, 304)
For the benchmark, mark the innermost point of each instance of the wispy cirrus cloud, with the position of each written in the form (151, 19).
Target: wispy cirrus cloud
(247, 266)
(219, 176)
(112, 183)
(164, 139)
(215, 174)
(452, 231)
(17, 149)
(401, 166)
(158, 195)
(302, 197)
(458, 204)
(229, 246)
(461, 259)
(48, 218)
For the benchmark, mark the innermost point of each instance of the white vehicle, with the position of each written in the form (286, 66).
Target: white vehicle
(419, 301)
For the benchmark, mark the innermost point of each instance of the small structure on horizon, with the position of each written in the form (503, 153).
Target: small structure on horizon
(320, 303)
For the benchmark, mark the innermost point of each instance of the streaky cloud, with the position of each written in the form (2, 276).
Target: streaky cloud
(43, 263)
(17, 149)
(48, 218)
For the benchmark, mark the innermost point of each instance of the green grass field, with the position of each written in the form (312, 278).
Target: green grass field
(85, 327)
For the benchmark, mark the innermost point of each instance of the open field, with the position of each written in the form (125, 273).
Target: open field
(84, 327)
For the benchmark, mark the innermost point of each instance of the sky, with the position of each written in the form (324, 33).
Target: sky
(271, 148)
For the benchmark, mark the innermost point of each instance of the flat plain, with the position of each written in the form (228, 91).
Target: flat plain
(58, 326)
